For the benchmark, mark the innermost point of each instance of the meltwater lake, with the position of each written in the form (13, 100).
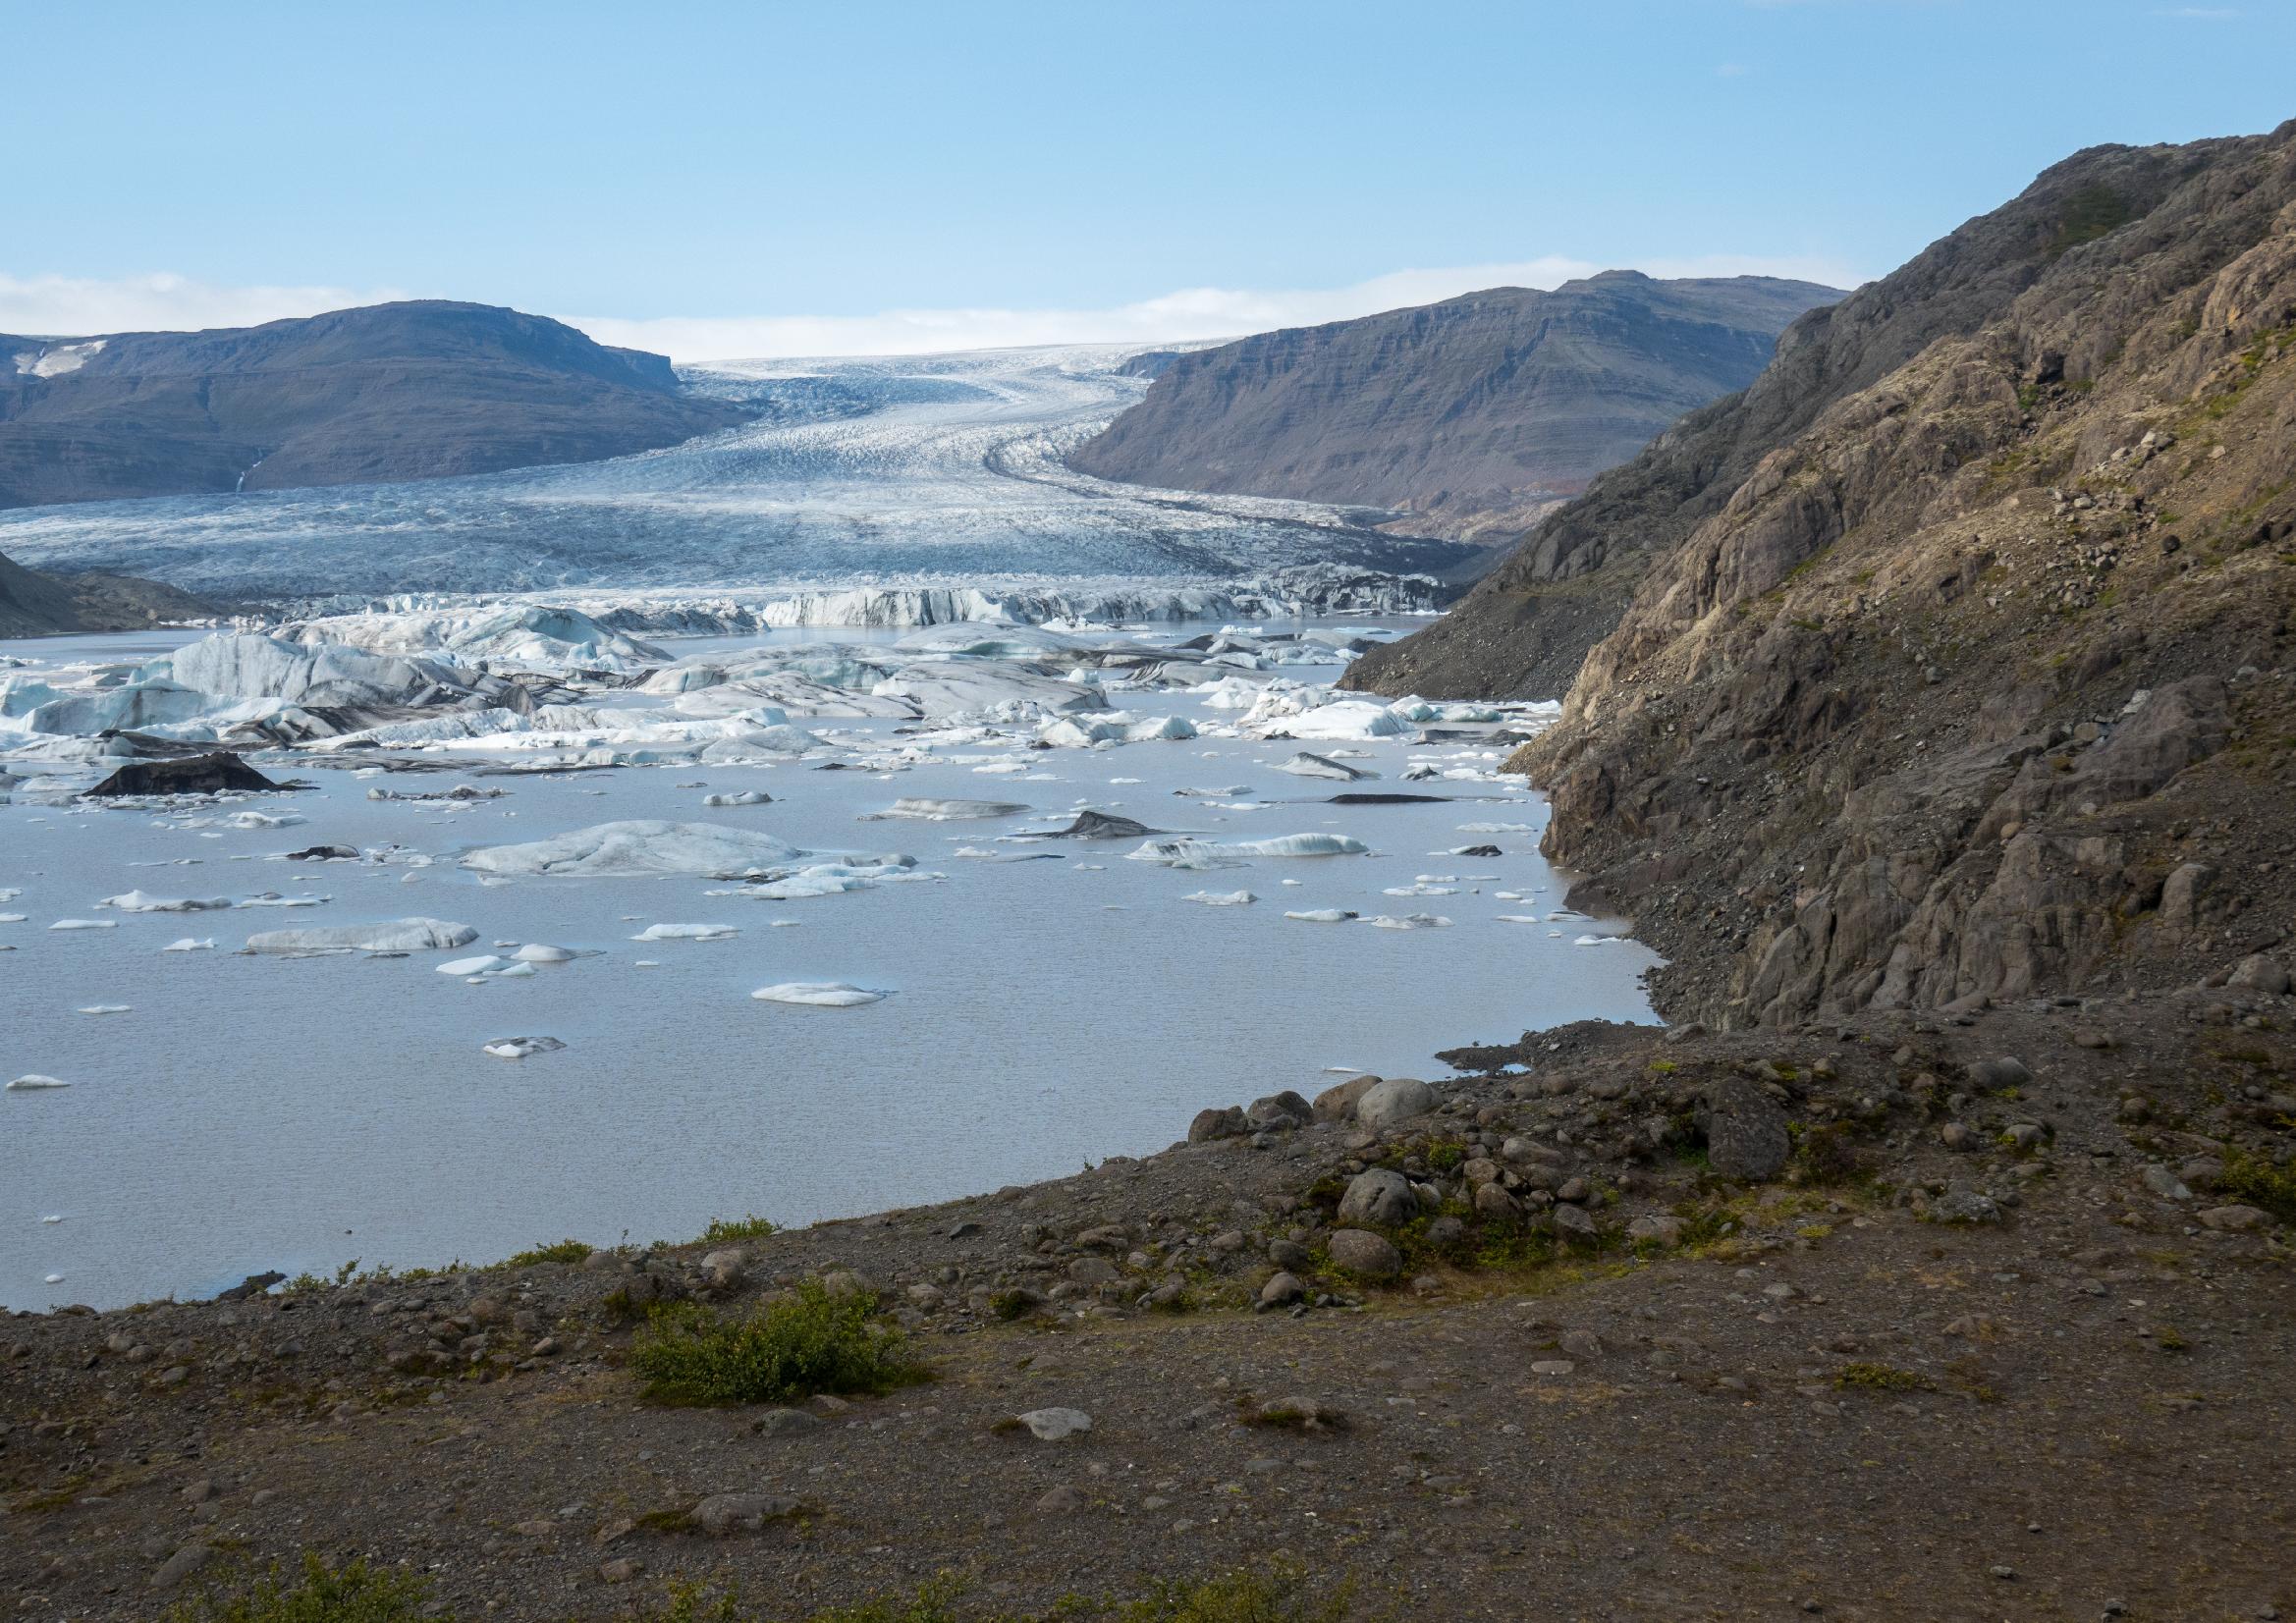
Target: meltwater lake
(1047, 1002)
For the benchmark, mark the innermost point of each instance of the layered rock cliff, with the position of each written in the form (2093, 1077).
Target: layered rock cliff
(1460, 415)
(36, 604)
(1966, 678)
(409, 391)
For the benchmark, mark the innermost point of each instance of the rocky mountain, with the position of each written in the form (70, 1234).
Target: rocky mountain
(1464, 415)
(1956, 666)
(35, 604)
(391, 392)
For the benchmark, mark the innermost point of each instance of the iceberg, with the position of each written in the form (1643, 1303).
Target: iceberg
(739, 798)
(637, 848)
(139, 901)
(1301, 844)
(485, 964)
(537, 952)
(34, 1083)
(1218, 898)
(1412, 921)
(817, 993)
(1305, 765)
(85, 924)
(393, 936)
(191, 944)
(686, 932)
(522, 1048)
(1324, 915)
(945, 811)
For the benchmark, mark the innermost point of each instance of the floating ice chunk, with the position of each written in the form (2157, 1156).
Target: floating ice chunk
(945, 811)
(1599, 940)
(1519, 918)
(686, 932)
(1421, 890)
(1187, 855)
(522, 1048)
(817, 993)
(191, 944)
(1305, 765)
(34, 1083)
(393, 936)
(142, 902)
(1324, 915)
(739, 798)
(55, 1278)
(11, 918)
(1414, 921)
(1497, 828)
(972, 851)
(273, 900)
(1301, 844)
(1084, 731)
(53, 1218)
(537, 952)
(107, 1008)
(85, 924)
(640, 846)
(1219, 898)
(485, 964)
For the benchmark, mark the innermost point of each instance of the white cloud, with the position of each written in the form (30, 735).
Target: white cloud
(1189, 313)
(68, 307)
(58, 305)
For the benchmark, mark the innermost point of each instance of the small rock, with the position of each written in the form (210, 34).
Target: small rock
(2235, 1219)
(1064, 1500)
(181, 1565)
(1282, 1290)
(1052, 1424)
(620, 1570)
(783, 1422)
(723, 1515)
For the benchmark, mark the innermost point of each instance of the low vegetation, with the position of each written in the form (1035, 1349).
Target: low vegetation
(812, 1341)
(318, 1594)
(1279, 1595)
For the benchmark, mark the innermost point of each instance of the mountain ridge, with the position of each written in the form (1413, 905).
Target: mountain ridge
(383, 393)
(1461, 412)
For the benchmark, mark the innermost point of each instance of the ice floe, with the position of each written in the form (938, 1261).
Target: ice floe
(635, 847)
(1324, 915)
(945, 811)
(818, 993)
(34, 1082)
(1221, 898)
(416, 934)
(1412, 921)
(85, 924)
(140, 901)
(686, 932)
(523, 1048)
(191, 944)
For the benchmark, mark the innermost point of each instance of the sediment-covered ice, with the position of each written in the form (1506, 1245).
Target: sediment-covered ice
(1324, 915)
(523, 1048)
(416, 934)
(637, 848)
(1305, 765)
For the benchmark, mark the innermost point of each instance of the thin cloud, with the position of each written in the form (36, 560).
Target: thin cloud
(1189, 313)
(68, 307)
(71, 307)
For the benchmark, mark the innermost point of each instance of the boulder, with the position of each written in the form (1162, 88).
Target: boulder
(1745, 1130)
(723, 1515)
(1210, 1126)
(1337, 1101)
(1381, 1198)
(1397, 1098)
(1280, 1110)
(2257, 973)
(1365, 1255)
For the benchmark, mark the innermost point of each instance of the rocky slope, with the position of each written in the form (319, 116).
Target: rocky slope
(1907, 1318)
(408, 390)
(36, 603)
(1973, 683)
(1464, 415)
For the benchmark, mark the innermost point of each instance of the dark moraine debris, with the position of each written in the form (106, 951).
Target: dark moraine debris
(1096, 825)
(325, 853)
(1368, 798)
(254, 1284)
(192, 775)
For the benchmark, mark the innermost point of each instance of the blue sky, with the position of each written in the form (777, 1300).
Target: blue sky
(845, 175)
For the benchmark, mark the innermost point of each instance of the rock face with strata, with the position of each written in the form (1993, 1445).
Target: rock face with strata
(1968, 678)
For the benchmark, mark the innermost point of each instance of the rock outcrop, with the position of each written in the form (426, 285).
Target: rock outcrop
(416, 390)
(36, 603)
(1967, 678)
(1466, 414)
(1525, 628)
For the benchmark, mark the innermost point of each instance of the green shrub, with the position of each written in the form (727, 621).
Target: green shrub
(790, 1349)
(354, 1593)
(563, 1251)
(726, 1230)
(2260, 1182)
